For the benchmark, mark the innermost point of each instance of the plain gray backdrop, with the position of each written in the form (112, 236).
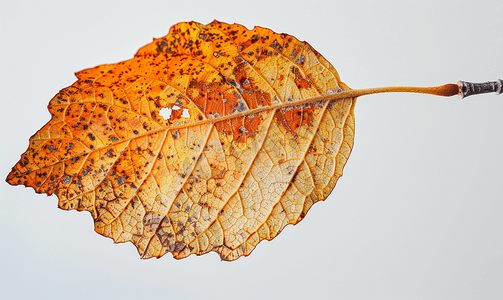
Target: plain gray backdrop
(417, 214)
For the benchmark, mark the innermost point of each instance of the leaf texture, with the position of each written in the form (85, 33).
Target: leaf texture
(243, 154)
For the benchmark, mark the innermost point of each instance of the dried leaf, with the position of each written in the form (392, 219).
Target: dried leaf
(258, 128)
(247, 160)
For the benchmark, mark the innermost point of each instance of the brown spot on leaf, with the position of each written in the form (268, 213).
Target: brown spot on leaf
(300, 81)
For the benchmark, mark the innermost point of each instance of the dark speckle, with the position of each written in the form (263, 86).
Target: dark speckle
(67, 179)
(178, 246)
(110, 153)
(241, 106)
(255, 38)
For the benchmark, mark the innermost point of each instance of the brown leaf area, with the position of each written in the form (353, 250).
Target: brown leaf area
(239, 158)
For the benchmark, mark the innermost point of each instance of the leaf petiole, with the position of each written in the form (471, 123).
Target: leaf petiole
(462, 89)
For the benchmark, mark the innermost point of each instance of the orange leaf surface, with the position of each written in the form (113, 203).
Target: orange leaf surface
(248, 148)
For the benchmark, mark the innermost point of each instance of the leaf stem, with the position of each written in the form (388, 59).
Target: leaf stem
(462, 89)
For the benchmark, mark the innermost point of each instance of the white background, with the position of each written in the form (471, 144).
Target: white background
(417, 214)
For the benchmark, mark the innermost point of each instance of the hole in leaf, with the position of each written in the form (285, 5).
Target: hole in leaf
(165, 112)
(185, 113)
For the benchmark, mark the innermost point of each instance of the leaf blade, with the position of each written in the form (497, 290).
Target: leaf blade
(252, 157)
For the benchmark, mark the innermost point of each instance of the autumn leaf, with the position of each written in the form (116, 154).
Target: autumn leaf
(212, 138)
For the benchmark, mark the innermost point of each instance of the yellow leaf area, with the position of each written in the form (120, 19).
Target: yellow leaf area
(243, 154)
